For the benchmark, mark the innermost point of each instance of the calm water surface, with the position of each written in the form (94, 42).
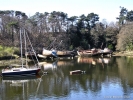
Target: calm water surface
(104, 79)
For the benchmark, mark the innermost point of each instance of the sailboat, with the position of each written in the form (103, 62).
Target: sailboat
(22, 69)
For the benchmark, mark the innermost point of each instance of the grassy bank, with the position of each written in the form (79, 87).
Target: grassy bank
(6, 52)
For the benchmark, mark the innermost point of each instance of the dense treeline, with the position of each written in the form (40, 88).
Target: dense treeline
(76, 32)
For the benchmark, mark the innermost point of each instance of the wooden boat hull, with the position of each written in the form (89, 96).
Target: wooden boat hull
(95, 52)
(65, 54)
(80, 53)
(106, 51)
(76, 72)
(49, 53)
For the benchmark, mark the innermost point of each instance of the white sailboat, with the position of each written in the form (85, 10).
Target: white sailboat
(22, 70)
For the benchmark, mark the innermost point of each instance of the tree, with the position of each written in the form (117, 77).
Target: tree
(129, 16)
(125, 38)
(111, 36)
(122, 16)
(92, 18)
(73, 22)
(98, 36)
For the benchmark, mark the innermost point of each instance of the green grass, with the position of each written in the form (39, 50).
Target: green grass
(7, 51)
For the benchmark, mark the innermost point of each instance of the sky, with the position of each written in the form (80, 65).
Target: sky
(106, 9)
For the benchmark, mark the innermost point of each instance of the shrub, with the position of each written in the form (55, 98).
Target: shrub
(7, 51)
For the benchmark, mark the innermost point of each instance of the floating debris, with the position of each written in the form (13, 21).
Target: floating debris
(77, 72)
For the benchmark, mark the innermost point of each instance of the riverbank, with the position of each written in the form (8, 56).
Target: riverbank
(8, 62)
(123, 53)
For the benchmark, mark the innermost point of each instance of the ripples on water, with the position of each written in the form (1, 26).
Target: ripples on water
(105, 78)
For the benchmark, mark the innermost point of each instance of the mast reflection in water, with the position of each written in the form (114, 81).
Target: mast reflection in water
(104, 78)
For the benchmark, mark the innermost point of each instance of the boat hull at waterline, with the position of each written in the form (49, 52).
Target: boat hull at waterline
(49, 53)
(20, 71)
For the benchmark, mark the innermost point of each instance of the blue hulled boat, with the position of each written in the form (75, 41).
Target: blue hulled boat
(22, 69)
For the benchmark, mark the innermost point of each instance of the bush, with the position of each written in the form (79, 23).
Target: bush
(7, 51)
(110, 46)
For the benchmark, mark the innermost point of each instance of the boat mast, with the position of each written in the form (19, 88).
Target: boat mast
(21, 47)
(25, 47)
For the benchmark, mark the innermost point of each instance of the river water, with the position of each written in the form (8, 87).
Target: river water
(103, 79)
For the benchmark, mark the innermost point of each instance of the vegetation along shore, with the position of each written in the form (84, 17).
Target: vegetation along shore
(55, 30)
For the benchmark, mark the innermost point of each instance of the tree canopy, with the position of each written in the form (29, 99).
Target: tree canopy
(84, 32)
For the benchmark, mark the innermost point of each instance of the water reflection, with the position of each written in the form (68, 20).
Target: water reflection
(48, 65)
(20, 79)
(93, 60)
(107, 77)
(18, 87)
(125, 66)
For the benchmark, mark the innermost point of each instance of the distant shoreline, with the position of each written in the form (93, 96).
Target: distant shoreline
(123, 53)
(5, 62)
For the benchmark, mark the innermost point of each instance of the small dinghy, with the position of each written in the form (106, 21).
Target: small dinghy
(76, 72)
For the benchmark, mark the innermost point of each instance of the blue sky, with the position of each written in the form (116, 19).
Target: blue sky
(106, 9)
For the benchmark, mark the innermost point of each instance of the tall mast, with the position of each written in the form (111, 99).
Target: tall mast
(25, 47)
(21, 47)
